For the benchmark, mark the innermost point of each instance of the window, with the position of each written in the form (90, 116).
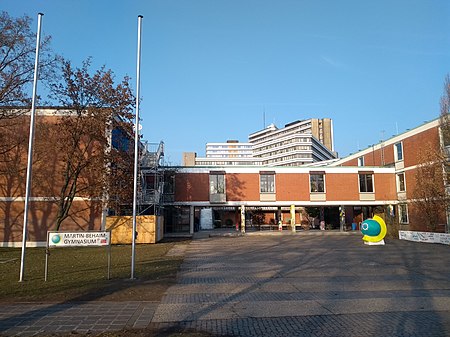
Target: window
(169, 184)
(361, 161)
(119, 140)
(398, 151)
(366, 182)
(317, 182)
(403, 213)
(401, 182)
(267, 183)
(216, 183)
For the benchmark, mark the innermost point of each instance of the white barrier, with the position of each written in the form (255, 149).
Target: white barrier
(428, 237)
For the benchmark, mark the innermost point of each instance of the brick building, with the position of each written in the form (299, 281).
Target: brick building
(404, 153)
(332, 193)
(88, 209)
(380, 178)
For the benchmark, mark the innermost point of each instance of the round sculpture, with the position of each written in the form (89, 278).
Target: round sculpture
(374, 230)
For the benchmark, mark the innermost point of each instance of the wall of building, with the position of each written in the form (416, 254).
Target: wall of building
(84, 215)
(241, 187)
(47, 181)
(415, 143)
(189, 158)
(291, 186)
(342, 189)
(191, 187)
(412, 143)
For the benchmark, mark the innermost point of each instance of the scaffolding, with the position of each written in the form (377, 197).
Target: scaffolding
(151, 177)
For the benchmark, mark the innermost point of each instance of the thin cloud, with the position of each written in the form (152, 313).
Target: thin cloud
(409, 51)
(331, 62)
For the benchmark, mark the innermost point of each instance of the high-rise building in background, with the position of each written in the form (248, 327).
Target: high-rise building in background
(297, 143)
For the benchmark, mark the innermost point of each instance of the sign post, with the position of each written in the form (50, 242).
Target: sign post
(78, 239)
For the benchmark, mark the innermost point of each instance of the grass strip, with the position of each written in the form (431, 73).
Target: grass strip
(80, 273)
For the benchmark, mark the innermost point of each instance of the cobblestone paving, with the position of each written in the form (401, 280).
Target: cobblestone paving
(310, 286)
(275, 285)
(28, 319)
(426, 324)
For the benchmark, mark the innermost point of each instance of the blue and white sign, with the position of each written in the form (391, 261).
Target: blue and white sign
(428, 237)
(79, 238)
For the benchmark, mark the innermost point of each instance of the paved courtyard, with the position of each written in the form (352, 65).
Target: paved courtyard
(311, 286)
(277, 285)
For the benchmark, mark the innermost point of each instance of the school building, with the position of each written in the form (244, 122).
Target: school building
(338, 194)
(330, 195)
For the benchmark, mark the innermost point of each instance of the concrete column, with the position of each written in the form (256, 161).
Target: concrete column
(191, 219)
(293, 218)
(342, 217)
(243, 219)
(322, 218)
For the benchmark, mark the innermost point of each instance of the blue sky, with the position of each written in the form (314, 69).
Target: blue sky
(210, 68)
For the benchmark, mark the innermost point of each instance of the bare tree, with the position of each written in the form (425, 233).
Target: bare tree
(430, 198)
(17, 55)
(445, 111)
(82, 134)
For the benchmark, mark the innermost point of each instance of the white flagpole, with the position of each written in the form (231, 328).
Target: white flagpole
(136, 147)
(30, 150)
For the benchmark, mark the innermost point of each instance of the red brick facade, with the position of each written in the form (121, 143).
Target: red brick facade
(383, 162)
(85, 212)
(342, 195)
(289, 187)
(413, 143)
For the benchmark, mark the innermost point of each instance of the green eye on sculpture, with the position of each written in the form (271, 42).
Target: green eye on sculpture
(371, 227)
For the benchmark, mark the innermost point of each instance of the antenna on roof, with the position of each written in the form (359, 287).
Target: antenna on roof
(264, 116)
(396, 128)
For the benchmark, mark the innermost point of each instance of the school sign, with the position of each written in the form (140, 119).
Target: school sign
(79, 238)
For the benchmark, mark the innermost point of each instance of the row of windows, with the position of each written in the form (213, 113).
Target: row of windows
(401, 186)
(284, 142)
(286, 158)
(226, 147)
(317, 185)
(229, 155)
(225, 163)
(267, 183)
(303, 128)
(284, 150)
